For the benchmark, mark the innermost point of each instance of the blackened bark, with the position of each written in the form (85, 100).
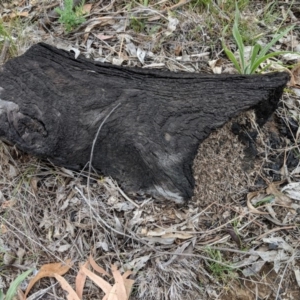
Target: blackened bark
(51, 106)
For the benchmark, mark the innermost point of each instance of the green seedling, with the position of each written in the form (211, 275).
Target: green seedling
(218, 267)
(258, 54)
(71, 18)
(137, 25)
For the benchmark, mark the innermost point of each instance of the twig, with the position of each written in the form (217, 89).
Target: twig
(111, 228)
(4, 51)
(284, 271)
(273, 230)
(94, 143)
(180, 3)
(91, 160)
(127, 198)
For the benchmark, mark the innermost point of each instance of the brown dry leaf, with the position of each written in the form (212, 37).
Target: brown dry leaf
(128, 282)
(34, 185)
(8, 203)
(280, 198)
(80, 280)
(3, 229)
(49, 270)
(65, 286)
(99, 21)
(19, 14)
(97, 268)
(103, 37)
(119, 291)
(251, 207)
(122, 288)
(21, 295)
(295, 78)
(104, 285)
(216, 65)
(157, 232)
(119, 284)
(87, 8)
(182, 236)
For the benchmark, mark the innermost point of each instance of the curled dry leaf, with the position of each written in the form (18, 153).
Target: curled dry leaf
(252, 209)
(216, 65)
(80, 280)
(178, 235)
(96, 22)
(280, 198)
(97, 268)
(119, 291)
(64, 284)
(292, 190)
(49, 270)
(280, 242)
(104, 285)
(137, 263)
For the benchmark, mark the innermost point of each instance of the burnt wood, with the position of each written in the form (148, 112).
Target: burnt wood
(52, 105)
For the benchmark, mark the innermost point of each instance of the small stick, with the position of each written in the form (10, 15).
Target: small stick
(4, 51)
(180, 3)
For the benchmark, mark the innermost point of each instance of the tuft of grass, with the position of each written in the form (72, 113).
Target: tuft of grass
(71, 18)
(218, 268)
(137, 25)
(258, 54)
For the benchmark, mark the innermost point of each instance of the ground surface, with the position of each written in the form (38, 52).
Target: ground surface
(238, 238)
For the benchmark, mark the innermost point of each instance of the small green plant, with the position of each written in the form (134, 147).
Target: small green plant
(71, 18)
(137, 25)
(11, 292)
(258, 54)
(218, 267)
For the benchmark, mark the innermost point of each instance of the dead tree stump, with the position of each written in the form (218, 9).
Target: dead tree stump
(52, 105)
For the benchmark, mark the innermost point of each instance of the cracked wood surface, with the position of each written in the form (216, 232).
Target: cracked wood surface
(51, 106)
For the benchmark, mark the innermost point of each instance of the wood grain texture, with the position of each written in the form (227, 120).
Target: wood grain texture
(51, 106)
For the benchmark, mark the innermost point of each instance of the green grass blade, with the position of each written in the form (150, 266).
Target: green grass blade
(14, 285)
(238, 38)
(254, 53)
(239, 41)
(231, 56)
(274, 41)
(264, 58)
(247, 69)
(253, 57)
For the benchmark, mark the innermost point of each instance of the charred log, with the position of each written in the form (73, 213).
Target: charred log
(52, 105)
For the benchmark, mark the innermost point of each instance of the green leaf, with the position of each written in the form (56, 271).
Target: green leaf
(1, 295)
(258, 61)
(254, 53)
(238, 38)
(266, 48)
(15, 284)
(231, 56)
